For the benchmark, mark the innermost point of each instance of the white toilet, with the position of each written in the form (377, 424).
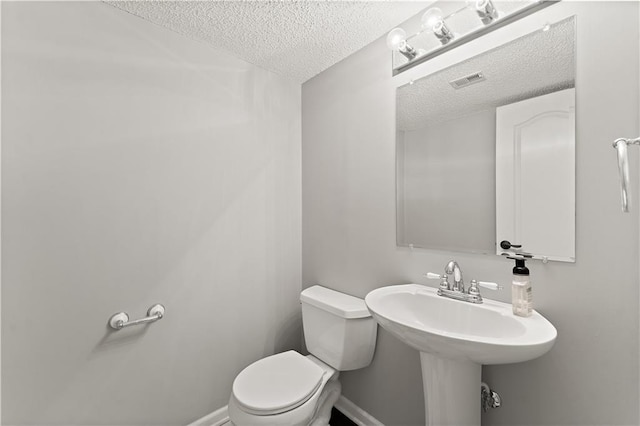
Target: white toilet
(295, 390)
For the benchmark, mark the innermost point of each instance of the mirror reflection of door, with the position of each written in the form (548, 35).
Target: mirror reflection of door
(535, 166)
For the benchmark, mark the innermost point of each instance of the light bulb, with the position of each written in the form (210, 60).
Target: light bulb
(485, 10)
(432, 18)
(396, 38)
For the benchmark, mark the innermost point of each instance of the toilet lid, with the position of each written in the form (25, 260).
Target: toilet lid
(277, 383)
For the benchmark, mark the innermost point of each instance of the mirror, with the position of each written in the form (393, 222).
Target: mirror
(486, 150)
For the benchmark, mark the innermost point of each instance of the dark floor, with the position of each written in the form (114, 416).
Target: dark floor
(339, 419)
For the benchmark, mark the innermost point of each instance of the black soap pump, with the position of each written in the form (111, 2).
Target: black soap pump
(521, 297)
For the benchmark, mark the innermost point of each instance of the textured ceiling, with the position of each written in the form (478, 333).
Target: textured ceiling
(533, 65)
(295, 38)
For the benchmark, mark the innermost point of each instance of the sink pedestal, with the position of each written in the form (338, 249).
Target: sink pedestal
(451, 391)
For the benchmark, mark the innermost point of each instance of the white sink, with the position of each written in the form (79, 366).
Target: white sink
(486, 333)
(454, 339)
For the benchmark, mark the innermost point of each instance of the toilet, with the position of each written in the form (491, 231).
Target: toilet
(296, 390)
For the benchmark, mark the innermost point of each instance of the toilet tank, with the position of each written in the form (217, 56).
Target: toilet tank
(338, 328)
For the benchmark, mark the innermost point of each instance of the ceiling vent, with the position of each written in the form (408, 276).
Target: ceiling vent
(468, 80)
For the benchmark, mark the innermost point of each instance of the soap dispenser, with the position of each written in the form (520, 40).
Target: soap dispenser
(521, 297)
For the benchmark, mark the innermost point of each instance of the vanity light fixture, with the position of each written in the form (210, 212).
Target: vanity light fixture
(485, 9)
(397, 40)
(432, 20)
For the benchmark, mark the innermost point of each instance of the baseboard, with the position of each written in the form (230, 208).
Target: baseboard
(346, 407)
(217, 418)
(355, 413)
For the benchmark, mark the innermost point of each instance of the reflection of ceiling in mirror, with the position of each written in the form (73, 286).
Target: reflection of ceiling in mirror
(533, 65)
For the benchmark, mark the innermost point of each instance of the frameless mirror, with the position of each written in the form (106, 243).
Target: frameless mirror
(486, 150)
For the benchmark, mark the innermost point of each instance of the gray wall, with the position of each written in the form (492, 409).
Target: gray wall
(139, 167)
(590, 377)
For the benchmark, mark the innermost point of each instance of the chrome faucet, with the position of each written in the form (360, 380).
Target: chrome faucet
(453, 268)
(457, 290)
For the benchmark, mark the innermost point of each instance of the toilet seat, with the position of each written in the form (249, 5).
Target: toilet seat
(277, 383)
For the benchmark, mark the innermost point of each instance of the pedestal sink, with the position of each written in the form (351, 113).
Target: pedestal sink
(454, 339)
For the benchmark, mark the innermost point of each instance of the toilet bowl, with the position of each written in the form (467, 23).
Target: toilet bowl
(284, 389)
(296, 390)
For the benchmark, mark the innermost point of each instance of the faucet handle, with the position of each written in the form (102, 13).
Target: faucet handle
(444, 283)
(473, 288)
(475, 291)
(490, 285)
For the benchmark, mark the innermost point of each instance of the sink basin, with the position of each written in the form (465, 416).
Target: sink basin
(454, 339)
(486, 333)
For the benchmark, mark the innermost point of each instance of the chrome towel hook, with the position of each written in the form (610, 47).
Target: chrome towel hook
(121, 319)
(620, 145)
